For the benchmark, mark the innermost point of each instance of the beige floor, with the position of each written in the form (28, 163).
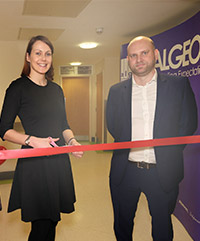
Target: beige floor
(93, 218)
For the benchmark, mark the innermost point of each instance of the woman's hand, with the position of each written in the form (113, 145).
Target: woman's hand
(71, 141)
(77, 154)
(37, 142)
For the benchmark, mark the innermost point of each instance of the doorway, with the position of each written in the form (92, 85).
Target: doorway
(76, 92)
(99, 94)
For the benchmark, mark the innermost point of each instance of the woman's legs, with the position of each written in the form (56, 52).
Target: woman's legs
(42, 230)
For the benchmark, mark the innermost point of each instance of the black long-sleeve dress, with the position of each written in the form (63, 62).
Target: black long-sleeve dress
(42, 186)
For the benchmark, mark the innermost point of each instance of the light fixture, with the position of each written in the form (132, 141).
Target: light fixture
(88, 45)
(75, 63)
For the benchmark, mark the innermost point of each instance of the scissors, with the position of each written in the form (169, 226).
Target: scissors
(52, 143)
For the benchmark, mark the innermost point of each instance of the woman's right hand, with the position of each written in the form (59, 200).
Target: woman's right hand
(37, 142)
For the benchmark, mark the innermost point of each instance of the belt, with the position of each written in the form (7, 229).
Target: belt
(144, 165)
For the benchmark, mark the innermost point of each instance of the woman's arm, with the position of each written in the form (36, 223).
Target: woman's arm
(70, 140)
(35, 142)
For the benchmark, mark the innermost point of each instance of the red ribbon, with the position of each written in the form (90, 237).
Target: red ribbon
(2, 160)
(34, 152)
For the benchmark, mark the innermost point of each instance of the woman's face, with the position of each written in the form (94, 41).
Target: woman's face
(40, 58)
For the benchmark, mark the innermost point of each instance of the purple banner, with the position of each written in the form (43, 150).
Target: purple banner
(179, 55)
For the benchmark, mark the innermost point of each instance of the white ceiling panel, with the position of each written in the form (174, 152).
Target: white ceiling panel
(56, 8)
(27, 33)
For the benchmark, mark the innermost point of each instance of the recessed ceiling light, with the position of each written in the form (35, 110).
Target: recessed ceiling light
(88, 45)
(75, 63)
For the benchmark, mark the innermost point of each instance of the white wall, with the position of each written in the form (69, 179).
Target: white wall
(110, 67)
(111, 76)
(11, 62)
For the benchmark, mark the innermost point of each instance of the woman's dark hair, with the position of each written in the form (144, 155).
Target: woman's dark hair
(26, 69)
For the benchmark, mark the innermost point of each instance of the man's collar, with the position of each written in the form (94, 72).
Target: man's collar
(154, 78)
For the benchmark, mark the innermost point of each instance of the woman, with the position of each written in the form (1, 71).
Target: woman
(42, 186)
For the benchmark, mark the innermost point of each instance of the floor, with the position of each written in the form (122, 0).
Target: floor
(93, 218)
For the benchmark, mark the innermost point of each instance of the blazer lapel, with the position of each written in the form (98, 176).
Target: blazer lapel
(126, 105)
(127, 90)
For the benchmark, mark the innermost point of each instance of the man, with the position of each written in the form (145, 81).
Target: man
(148, 105)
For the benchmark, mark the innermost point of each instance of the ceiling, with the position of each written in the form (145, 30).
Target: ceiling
(69, 22)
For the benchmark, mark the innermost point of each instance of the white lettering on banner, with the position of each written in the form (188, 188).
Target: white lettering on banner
(187, 73)
(194, 218)
(190, 213)
(186, 209)
(184, 55)
(125, 70)
(183, 59)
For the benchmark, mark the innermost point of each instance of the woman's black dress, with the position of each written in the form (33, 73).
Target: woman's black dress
(42, 186)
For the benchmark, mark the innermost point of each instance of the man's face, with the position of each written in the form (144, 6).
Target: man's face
(142, 57)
